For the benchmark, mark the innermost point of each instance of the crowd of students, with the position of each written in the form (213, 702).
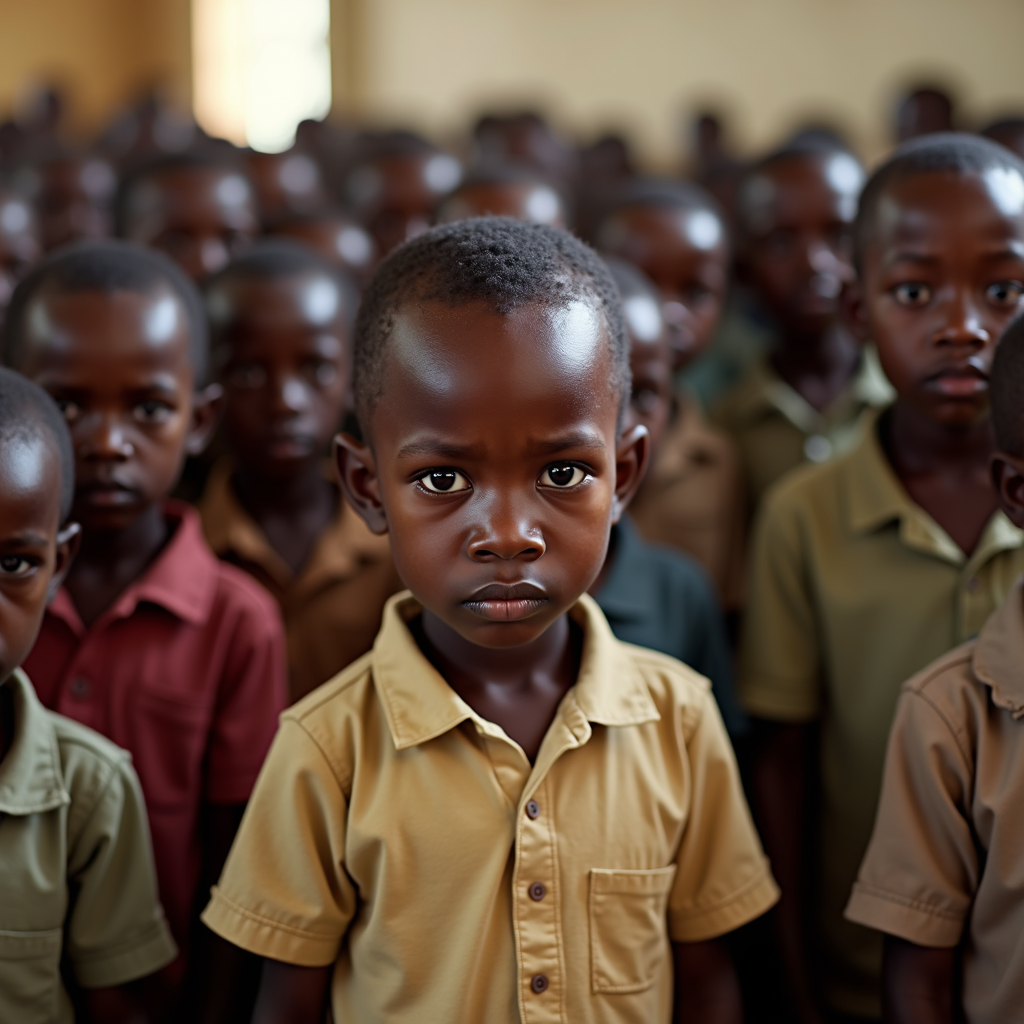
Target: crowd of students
(412, 563)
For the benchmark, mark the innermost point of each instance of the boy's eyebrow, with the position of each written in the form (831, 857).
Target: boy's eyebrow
(29, 539)
(450, 450)
(576, 439)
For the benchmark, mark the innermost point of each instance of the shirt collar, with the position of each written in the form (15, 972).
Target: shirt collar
(420, 705)
(343, 547)
(31, 780)
(625, 593)
(874, 498)
(182, 579)
(998, 659)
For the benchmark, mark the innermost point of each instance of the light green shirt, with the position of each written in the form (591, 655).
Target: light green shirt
(76, 866)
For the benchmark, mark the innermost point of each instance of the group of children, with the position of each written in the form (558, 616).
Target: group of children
(367, 640)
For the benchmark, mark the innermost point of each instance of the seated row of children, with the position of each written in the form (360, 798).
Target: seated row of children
(496, 444)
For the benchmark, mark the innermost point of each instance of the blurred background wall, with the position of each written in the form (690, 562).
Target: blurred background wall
(633, 65)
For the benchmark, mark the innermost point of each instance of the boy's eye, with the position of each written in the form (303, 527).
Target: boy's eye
(444, 481)
(321, 372)
(153, 411)
(912, 293)
(15, 566)
(247, 375)
(1005, 293)
(696, 294)
(562, 474)
(645, 400)
(71, 410)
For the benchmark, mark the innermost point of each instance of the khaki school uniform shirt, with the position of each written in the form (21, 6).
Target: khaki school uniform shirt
(946, 861)
(775, 429)
(854, 588)
(693, 500)
(76, 868)
(400, 836)
(332, 606)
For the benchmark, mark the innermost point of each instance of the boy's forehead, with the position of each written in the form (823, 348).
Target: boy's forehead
(798, 181)
(656, 227)
(183, 191)
(307, 298)
(29, 482)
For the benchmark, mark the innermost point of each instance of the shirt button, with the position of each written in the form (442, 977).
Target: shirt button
(537, 891)
(972, 585)
(80, 688)
(533, 811)
(817, 448)
(539, 983)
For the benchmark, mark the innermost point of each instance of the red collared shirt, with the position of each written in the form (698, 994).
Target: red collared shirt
(187, 671)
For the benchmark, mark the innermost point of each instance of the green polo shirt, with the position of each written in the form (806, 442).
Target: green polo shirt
(854, 589)
(775, 429)
(77, 874)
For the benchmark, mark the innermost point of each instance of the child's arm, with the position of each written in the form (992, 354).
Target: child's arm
(706, 988)
(917, 983)
(293, 995)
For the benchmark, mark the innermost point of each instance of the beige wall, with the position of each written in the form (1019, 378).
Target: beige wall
(639, 63)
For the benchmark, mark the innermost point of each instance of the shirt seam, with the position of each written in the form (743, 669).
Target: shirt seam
(734, 897)
(269, 922)
(965, 754)
(345, 785)
(869, 892)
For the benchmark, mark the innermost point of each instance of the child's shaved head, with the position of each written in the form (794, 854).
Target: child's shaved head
(1007, 383)
(503, 263)
(950, 153)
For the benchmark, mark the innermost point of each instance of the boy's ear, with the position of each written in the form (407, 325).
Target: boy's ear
(207, 405)
(357, 472)
(632, 454)
(1008, 477)
(69, 538)
(851, 301)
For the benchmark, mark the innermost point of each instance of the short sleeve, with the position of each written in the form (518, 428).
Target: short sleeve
(253, 691)
(116, 931)
(780, 662)
(723, 880)
(920, 873)
(284, 892)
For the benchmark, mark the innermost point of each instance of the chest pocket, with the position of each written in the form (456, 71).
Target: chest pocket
(628, 928)
(30, 975)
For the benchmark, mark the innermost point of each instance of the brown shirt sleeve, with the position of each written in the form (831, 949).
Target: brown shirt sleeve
(921, 869)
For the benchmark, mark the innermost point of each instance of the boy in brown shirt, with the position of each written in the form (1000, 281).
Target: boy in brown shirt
(281, 318)
(942, 876)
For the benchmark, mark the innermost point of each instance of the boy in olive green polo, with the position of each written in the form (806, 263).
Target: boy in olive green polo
(869, 567)
(502, 813)
(78, 883)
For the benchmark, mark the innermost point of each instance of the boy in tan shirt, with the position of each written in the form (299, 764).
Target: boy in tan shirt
(502, 813)
(942, 876)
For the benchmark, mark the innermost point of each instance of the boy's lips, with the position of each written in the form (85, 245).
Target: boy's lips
(105, 494)
(506, 602)
(960, 382)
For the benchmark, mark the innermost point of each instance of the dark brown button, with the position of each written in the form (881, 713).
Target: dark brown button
(537, 891)
(539, 983)
(80, 688)
(533, 811)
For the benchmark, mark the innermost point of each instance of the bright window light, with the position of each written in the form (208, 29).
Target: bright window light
(260, 67)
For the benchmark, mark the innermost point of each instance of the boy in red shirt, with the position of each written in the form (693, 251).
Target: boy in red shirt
(151, 641)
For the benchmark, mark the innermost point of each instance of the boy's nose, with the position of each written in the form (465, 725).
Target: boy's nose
(962, 323)
(507, 536)
(105, 438)
(290, 395)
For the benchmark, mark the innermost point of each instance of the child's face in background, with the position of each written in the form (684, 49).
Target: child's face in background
(493, 453)
(19, 245)
(338, 239)
(942, 276)
(650, 364)
(286, 184)
(684, 253)
(798, 219)
(395, 197)
(286, 369)
(533, 202)
(119, 367)
(73, 198)
(34, 551)
(199, 216)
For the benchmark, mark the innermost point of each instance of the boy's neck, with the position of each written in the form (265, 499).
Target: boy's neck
(292, 512)
(109, 561)
(518, 688)
(818, 366)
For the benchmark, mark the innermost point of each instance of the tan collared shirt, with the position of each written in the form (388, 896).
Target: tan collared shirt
(854, 588)
(397, 834)
(946, 860)
(775, 429)
(693, 500)
(332, 607)
(76, 867)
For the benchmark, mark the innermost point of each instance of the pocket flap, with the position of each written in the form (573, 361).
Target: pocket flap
(640, 882)
(30, 945)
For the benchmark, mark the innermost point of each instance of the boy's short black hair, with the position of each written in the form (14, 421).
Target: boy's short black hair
(941, 153)
(1007, 384)
(168, 163)
(672, 193)
(28, 413)
(107, 266)
(504, 262)
(277, 258)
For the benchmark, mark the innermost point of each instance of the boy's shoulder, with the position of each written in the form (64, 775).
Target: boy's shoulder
(747, 400)
(88, 761)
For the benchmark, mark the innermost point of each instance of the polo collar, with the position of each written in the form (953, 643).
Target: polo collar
(182, 578)
(998, 658)
(875, 498)
(31, 780)
(624, 593)
(419, 705)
